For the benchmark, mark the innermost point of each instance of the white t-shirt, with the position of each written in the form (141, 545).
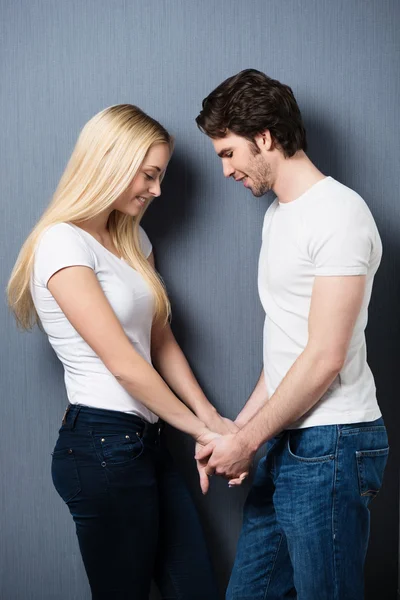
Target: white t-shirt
(87, 379)
(327, 231)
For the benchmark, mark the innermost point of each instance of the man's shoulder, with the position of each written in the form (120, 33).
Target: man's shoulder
(271, 208)
(336, 202)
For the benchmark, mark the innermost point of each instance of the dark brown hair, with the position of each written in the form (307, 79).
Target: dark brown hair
(249, 103)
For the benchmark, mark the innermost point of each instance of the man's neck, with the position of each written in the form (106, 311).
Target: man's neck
(295, 176)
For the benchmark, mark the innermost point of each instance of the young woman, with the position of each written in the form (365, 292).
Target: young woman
(86, 274)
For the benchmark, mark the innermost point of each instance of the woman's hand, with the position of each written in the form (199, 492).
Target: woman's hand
(206, 437)
(222, 425)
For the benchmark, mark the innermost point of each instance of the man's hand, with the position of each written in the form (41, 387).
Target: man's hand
(229, 457)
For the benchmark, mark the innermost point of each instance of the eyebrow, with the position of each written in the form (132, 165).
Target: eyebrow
(153, 167)
(224, 151)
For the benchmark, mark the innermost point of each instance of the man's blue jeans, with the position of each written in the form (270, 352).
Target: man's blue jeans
(306, 519)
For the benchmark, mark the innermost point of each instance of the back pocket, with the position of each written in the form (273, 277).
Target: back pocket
(371, 466)
(65, 475)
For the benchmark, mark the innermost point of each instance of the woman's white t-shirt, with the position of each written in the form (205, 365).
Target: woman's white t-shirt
(87, 379)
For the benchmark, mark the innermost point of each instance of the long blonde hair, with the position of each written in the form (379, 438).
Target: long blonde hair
(108, 154)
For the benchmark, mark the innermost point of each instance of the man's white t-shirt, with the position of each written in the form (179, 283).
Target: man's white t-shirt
(328, 231)
(87, 379)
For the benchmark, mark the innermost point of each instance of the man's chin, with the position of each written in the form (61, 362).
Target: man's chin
(257, 193)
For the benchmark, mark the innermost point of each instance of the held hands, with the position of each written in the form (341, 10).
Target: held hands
(222, 454)
(203, 442)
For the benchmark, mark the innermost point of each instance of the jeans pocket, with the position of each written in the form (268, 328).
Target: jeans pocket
(310, 445)
(119, 448)
(371, 466)
(65, 474)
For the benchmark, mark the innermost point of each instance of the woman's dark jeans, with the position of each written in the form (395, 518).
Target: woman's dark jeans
(134, 517)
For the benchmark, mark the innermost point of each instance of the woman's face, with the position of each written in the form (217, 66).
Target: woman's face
(146, 184)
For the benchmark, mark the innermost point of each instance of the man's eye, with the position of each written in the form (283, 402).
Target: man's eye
(149, 177)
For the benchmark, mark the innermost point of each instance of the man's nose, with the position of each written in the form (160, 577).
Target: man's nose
(227, 169)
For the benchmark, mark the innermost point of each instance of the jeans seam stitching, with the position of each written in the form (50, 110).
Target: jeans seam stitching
(174, 584)
(334, 516)
(273, 566)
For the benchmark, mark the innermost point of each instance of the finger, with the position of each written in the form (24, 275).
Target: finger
(204, 452)
(204, 481)
(234, 482)
(209, 471)
(238, 480)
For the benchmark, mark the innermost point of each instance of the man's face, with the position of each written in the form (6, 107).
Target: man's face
(241, 161)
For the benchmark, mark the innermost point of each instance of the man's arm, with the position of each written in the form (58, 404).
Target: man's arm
(335, 306)
(170, 362)
(256, 401)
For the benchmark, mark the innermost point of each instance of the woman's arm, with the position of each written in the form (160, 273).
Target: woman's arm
(171, 363)
(173, 367)
(79, 295)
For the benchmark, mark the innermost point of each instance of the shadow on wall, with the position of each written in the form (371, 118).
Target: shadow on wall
(383, 332)
(168, 215)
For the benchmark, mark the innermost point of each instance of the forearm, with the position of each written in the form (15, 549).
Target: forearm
(302, 387)
(256, 401)
(173, 367)
(143, 382)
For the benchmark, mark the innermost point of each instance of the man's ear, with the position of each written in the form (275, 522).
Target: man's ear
(264, 140)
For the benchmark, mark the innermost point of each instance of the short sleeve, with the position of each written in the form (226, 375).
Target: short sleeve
(59, 247)
(145, 243)
(342, 238)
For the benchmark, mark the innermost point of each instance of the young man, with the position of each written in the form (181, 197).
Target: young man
(306, 520)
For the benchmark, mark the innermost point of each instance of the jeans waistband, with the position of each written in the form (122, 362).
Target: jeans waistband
(78, 416)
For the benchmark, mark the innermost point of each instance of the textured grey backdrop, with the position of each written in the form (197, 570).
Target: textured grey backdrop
(61, 62)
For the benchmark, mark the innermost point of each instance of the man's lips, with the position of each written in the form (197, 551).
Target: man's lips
(243, 179)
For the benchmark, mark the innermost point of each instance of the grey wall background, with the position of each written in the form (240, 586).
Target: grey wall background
(61, 62)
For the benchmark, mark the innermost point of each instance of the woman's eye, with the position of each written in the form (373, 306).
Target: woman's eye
(149, 177)
(229, 155)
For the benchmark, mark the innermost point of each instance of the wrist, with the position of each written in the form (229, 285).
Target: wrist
(202, 434)
(247, 442)
(207, 413)
(240, 422)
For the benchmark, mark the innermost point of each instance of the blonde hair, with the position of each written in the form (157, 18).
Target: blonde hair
(109, 152)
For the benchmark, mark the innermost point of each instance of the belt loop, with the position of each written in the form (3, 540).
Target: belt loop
(64, 419)
(69, 423)
(145, 428)
(75, 416)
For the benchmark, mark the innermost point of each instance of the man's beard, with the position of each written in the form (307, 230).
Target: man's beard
(260, 176)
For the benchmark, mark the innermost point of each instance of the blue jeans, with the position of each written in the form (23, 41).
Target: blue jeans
(134, 517)
(306, 519)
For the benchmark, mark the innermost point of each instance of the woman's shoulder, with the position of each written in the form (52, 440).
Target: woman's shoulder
(58, 233)
(59, 246)
(145, 243)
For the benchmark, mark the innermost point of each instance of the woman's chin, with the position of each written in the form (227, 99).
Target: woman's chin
(131, 211)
